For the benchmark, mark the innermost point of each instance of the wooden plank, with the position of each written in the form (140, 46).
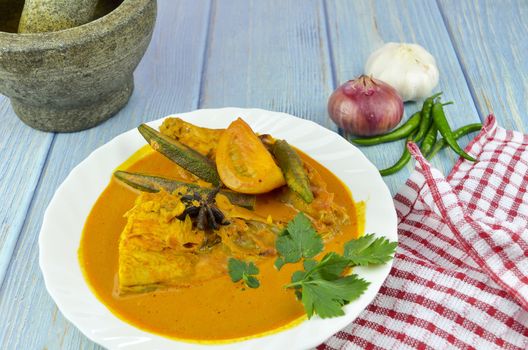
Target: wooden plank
(271, 55)
(22, 155)
(167, 80)
(490, 39)
(39, 307)
(356, 28)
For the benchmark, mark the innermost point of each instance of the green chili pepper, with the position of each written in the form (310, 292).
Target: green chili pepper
(426, 120)
(404, 159)
(417, 137)
(402, 132)
(440, 120)
(429, 139)
(458, 133)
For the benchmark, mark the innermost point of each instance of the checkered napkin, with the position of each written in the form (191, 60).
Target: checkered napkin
(460, 274)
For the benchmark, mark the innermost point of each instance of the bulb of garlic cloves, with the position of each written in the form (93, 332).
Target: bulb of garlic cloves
(409, 68)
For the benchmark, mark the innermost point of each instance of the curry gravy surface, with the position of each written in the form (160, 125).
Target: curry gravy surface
(215, 310)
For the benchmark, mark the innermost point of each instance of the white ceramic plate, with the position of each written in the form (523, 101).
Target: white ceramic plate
(64, 220)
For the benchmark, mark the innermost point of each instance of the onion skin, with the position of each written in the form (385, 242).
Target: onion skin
(365, 107)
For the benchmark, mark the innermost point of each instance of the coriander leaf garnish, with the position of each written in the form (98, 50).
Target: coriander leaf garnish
(331, 266)
(299, 240)
(327, 298)
(325, 286)
(251, 281)
(298, 276)
(279, 262)
(323, 289)
(368, 250)
(290, 250)
(302, 232)
(240, 270)
(309, 264)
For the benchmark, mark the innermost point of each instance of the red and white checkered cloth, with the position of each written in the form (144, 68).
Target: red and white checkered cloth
(460, 274)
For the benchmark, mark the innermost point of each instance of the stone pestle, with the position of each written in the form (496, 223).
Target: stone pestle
(52, 15)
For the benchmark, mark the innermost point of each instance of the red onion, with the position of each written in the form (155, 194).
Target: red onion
(365, 106)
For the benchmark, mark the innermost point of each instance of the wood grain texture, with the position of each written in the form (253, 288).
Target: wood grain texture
(491, 41)
(356, 28)
(271, 55)
(167, 80)
(22, 155)
(279, 55)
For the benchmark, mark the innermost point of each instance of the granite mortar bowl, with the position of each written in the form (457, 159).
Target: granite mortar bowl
(76, 78)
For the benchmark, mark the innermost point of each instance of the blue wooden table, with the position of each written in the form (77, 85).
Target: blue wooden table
(278, 55)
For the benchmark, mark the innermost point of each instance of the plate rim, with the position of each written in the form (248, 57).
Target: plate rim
(234, 111)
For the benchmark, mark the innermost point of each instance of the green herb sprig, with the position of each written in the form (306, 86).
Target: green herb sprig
(325, 286)
(298, 240)
(368, 250)
(323, 289)
(241, 270)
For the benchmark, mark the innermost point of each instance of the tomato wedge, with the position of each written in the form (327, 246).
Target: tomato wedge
(243, 162)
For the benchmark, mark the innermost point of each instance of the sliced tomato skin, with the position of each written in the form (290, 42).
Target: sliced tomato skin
(243, 162)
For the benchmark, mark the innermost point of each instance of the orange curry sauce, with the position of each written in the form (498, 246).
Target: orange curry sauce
(215, 311)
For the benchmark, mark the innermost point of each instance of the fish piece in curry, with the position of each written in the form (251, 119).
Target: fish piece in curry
(158, 249)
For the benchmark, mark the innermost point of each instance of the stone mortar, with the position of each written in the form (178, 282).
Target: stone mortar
(74, 79)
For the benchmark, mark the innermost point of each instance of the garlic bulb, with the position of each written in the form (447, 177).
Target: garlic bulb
(409, 68)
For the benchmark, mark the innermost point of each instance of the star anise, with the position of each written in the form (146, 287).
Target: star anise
(203, 210)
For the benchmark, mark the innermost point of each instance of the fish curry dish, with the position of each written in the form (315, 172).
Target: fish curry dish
(199, 234)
